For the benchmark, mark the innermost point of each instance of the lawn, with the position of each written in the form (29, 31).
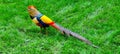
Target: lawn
(96, 20)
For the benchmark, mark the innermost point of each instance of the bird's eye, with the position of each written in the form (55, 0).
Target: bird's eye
(29, 9)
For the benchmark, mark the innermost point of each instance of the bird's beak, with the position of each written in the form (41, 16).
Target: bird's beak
(28, 9)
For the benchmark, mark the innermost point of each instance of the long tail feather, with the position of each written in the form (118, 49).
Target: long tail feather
(70, 33)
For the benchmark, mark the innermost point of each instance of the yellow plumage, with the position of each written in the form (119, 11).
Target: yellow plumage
(46, 20)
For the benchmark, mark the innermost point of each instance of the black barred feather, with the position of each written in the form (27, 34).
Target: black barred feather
(70, 33)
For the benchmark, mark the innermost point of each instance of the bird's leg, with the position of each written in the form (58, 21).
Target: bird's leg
(45, 30)
(41, 29)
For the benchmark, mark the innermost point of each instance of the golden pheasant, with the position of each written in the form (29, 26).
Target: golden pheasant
(43, 21)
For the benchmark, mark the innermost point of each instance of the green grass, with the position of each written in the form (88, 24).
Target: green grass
(97, 20)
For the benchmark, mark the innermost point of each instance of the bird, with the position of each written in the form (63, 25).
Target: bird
(43, 21)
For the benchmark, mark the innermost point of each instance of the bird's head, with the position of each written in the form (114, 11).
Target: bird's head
(31, 7)
(32, 10)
